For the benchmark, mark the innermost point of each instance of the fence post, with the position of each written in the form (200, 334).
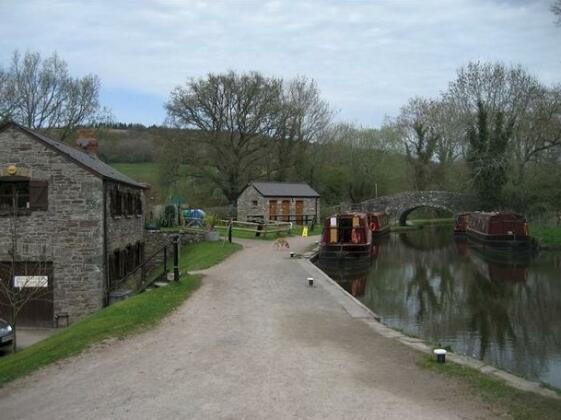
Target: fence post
(176, 258)
(166, 259)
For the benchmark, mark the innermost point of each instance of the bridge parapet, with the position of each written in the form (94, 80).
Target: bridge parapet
(398, 206)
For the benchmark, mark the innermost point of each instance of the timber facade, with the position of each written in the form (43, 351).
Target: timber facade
(69, 219)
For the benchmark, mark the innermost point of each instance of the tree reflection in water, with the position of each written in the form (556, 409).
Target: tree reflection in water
(504, 311)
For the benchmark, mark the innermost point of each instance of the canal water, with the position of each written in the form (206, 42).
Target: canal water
(502, 309)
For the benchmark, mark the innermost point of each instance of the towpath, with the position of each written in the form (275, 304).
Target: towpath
(255, 343)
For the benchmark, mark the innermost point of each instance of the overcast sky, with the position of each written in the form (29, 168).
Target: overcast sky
(368, 57)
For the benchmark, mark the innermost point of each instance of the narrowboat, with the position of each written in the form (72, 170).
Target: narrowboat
(378, 223)
(346, 235)
(352, 234)
(498, 229)
(461, 224)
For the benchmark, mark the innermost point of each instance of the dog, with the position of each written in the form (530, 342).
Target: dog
(281, 243)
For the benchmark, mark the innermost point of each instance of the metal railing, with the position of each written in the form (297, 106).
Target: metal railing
(151, 270)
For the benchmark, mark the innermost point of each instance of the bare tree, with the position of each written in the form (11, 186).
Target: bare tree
(529, 108)
(21, 281)
(302, 117)
(539, 132)
(235, 114)
(556, 9)
(40, 94)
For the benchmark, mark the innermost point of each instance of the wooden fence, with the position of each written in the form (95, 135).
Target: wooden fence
(259, 229)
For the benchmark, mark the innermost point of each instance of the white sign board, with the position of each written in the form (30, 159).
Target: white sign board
(31, 281)
(333, 221)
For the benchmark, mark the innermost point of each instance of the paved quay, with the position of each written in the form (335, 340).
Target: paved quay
(254, 342)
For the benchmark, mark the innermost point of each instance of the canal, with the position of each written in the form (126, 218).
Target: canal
(501, 309)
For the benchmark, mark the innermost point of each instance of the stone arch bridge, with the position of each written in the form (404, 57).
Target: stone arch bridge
(400, 205)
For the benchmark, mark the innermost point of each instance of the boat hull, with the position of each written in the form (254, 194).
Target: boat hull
(499, 241)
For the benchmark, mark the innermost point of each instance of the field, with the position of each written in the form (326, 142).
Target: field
(142, 172)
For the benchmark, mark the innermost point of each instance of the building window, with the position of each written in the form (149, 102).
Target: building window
(254, 203)
(125, 203)
(124, 261)
(20, 195)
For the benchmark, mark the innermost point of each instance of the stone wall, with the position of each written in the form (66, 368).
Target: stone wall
(123, 231)
(252, 204)
(69, 233)
(155, 240)
(398, 206)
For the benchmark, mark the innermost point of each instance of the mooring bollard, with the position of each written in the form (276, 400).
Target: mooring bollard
(440, 355)
(291, 254)
(311, 281)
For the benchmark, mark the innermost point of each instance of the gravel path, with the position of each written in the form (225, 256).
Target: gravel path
(255, 343)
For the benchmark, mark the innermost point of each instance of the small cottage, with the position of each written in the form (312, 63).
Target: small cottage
(74, 224)
(282, 201)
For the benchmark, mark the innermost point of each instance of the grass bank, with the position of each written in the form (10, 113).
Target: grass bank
(206, 254)
(518, 404)
(136, 314)
(547, 236)
(142, 172)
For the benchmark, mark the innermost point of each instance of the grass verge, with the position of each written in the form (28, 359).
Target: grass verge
(136, 314)
(206, 254)
(116, 321)
(518, 404)
(547, 236)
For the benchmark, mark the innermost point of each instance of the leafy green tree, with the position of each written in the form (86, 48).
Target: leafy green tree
(486, 156)
(420, 138)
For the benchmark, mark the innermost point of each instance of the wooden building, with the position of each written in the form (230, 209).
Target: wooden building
(290, 202)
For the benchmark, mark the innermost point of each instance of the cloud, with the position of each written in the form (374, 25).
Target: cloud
(368, 57)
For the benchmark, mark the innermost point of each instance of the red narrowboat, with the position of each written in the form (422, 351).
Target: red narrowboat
(351, 234)
(499, 229)
(461, 223)
(378, 223)
(346, 235)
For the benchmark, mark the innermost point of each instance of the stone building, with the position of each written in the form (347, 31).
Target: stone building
(75, 223)
(264, 201)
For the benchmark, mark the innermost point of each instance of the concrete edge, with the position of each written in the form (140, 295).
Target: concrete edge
(357, 309)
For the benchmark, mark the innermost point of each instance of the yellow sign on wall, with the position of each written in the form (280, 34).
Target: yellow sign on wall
(13, 170)
(305, 232)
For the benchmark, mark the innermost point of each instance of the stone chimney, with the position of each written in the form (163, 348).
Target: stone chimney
(87, 142)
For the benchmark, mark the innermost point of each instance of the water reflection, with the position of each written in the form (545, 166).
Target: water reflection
(501, 309)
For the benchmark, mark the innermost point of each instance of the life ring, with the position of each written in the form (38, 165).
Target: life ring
(372, 226)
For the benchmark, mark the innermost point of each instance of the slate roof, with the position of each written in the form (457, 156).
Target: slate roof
(90, 163)
(284, 189)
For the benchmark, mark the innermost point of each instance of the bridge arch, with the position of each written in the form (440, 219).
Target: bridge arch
(403, 214)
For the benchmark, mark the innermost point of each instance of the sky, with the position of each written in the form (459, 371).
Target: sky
(368, 57)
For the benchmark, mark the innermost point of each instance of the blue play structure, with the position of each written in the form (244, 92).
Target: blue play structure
(193, 217)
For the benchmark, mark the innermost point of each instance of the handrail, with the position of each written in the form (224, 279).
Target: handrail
(120, 281)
